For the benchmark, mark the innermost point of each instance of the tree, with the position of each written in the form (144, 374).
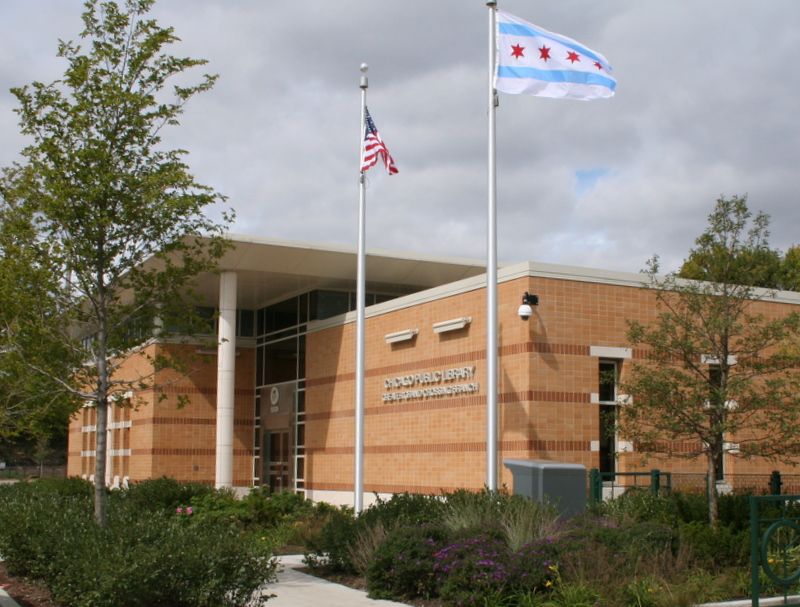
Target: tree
(719, 376)
(32, 407)
(109, 221)
(790, 269)
(761, 265)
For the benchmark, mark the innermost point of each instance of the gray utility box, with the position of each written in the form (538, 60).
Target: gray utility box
(560, 484)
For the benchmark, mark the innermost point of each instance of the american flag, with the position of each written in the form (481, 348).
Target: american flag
(374, 147)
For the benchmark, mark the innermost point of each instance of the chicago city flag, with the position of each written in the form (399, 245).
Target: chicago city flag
(533, 61)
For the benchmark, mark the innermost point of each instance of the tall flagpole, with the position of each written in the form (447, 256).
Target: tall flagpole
(358, 446)
(491, 270)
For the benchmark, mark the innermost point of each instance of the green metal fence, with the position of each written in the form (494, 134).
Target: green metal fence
(655, 481)
(774, 542)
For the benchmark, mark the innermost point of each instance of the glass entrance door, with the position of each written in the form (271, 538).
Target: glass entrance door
(278, 464)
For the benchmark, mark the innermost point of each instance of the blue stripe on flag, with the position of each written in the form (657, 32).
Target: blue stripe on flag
(518, 29)
(506, 71)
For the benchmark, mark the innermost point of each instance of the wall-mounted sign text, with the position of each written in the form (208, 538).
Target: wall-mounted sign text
(430, 384)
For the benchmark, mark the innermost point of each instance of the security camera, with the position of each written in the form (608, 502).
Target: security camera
(525, 311)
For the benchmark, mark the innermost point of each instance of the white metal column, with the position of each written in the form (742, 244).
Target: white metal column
(226, 378)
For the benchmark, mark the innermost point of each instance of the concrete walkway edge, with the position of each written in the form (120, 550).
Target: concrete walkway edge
(7, 601)
(297, 589)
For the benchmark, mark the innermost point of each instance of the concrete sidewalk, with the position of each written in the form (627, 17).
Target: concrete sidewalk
(7, 601)
(296, 589)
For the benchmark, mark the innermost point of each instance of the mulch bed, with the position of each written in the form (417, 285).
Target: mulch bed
(25, 592)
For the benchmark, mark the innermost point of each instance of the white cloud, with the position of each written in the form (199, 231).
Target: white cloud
(705, 106)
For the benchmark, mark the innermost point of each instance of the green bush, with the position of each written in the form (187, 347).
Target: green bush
(34, 516)
(534, 565)
(403, 508)
(640, 505)
(156, 558)
(715, 547)
(330, 548)
(142, 557)
(468, 511)
(734, 510)
(403, 565)
(161, 494)
(524, 520)
(689, 507)
(333, 547)
(472, 569)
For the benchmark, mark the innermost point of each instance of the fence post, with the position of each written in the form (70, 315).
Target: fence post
(775, 483)
(655, 481)
(595, 486)
(755, 553)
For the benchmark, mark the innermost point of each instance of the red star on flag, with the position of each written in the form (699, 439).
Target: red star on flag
(597, 65)
(573, 56)
(516, 50)
(544, 52)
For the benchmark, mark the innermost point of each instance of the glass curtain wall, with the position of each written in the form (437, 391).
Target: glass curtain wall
(279, 446)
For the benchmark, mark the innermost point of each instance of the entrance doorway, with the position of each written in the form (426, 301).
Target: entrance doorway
(278, 464)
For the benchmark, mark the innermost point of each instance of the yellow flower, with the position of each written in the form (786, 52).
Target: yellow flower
(548, 584)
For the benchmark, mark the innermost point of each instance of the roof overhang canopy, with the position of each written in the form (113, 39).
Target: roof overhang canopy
(271, 270)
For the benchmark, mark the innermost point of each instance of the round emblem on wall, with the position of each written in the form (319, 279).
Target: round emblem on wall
(274, 395)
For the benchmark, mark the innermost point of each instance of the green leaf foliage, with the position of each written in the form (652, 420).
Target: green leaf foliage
(143, 557)
(714, 368)
(103, 226)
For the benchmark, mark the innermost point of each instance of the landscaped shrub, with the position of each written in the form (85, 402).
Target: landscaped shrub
(482, 570)
(533, 566)
(403, 508)
(333, 547)
(157, 558)
(524, 520)
(734, 510)
(142, 558)
(362, 550)
(575, 593)
(403, 565)
(715, 547)
(35, 516)
(467, 511)
(689, 507)
(644, 591)
(330, 548)
(471, 569)
(161, 494)
(640, 505)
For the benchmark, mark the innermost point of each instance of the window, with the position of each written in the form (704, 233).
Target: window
(608, 380)
(714, 383)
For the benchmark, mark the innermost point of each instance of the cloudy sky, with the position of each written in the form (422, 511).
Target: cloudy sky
(706, 105)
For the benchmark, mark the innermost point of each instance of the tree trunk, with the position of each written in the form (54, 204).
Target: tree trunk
(100, 497)
(101, 402)
(711, 488)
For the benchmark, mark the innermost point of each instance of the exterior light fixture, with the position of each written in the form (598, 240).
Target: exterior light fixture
(453, 324)
(398, 336)
(525, 311)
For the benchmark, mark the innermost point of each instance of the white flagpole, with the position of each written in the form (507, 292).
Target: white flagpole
(358, 446)
(491, 270)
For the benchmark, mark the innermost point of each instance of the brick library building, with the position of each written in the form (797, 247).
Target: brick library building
(276, 405)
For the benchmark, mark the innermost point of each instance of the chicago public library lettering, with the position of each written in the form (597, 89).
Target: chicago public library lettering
(431, 384)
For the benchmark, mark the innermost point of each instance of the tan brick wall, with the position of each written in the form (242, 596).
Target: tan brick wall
(173, 427)
(546, 379)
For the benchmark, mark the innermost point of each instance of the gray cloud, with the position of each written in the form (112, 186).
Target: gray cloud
(705, 106)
